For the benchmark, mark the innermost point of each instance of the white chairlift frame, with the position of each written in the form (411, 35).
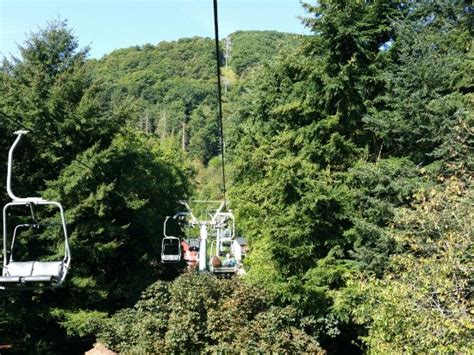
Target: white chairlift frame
(218, 221)
(222, 270)
(31, 273)
(218, 236)
(166, 257)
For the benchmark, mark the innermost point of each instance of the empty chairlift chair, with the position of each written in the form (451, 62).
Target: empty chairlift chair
(170, 247)
(33, 273)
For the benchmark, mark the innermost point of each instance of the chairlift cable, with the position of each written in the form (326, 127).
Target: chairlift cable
(219, 96)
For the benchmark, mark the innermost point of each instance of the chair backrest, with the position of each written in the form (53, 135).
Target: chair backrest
(171, 249)
(46, 268)
(34, 268)
(19, 268)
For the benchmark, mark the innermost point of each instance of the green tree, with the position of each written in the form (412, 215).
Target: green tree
(143, 327)
(47, 91)
(302, 132)
(115, 215)
(428, 97)
(378, 189)
(424, 303)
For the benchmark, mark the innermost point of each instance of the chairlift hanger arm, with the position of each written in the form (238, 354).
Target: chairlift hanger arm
(194, 220)
(10, 163)
(218, 211)
(164, 227)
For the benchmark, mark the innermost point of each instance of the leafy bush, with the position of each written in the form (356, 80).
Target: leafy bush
(197, 313)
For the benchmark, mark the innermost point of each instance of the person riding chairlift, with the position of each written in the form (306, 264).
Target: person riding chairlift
(229, 261)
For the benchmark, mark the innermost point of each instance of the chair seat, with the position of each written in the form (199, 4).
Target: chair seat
(33, 271)
(171, 257)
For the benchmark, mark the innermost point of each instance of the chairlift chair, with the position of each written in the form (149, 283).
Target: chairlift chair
(34, 273)
(170, 247)
(224, 228)
(221, 270)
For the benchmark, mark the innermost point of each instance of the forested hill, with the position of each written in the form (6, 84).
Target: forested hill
(193, 58)
(169, 89)
(350, 169)
(173, 84)
(250, 48)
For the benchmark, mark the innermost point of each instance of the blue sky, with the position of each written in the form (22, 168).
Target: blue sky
(106, 25)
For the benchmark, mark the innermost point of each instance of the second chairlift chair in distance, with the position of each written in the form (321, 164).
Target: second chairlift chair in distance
(35, 273)
(170, 245)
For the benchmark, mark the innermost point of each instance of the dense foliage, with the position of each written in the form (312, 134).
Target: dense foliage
(251, 48)
(350, 169)
(335, 139)
(199, 313)
(423, 303)
(117, 186)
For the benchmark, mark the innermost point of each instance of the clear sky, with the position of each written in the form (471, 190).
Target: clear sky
(106, 25)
